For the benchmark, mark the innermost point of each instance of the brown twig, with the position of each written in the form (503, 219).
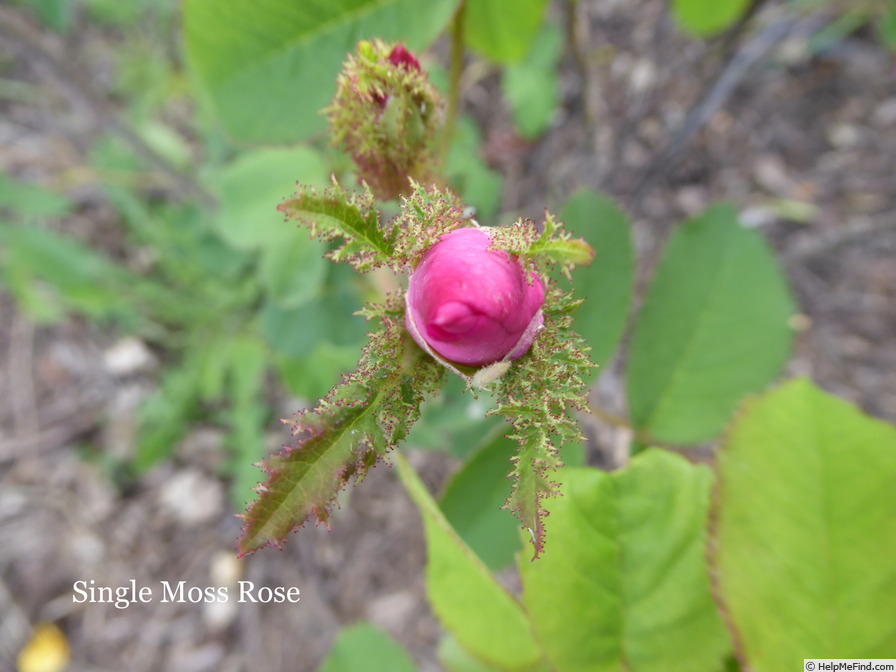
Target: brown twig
(47, 438)
(575, 43)
(827, 242)
(21, 393)
(38, 47)
(713, 98)
(620, 422)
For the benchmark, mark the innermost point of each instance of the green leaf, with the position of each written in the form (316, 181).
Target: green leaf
(357, 646)
(338, 214)
(532, 86)
(500, 35)
(453, 421)
(333, 446)
(343, 436)
(465, 596)
(269, 66)
(469, 175)
(167, 142)
(52, 272)
(805, 530)
(310, 377)
(250, 188)
(606, 284)
(713, 329)
(473, 499)
(328, 318)
(248, 362)
(886, 28)
(454, 658)
(292, 266)
(837, 30)
(703, 18)
(165, 416)
(55, 14)
(622, 583)
(555, 246)
(248, 414)
(29, 200)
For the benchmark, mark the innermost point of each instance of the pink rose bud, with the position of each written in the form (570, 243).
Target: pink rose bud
(471, 304)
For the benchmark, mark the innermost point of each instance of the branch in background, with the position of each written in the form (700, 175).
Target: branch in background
(575, 43)
(620, 422)
(642, 103)
(714, 97)
(458, 26)
(33, 43)
(823, 243)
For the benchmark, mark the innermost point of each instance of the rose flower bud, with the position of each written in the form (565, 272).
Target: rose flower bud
(473, 305)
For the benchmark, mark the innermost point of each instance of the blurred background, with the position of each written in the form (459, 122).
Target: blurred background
(157, 319)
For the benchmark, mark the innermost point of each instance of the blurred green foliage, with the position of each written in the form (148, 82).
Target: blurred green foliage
(229, 296)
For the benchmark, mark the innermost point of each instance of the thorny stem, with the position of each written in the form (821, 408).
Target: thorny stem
(458, 25)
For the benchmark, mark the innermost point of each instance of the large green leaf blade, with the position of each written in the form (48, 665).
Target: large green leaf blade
(503, 33)
(465, 596)
(713, 329)
(269, 66)
(625, 560)
(606, 284)
(805, 530)
(532, 88)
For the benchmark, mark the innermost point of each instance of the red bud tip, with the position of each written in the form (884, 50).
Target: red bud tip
(399, 56)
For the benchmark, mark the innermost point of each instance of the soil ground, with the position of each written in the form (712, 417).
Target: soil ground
(804, 145)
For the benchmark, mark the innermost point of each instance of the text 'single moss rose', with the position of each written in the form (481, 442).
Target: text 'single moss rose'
(472, 304)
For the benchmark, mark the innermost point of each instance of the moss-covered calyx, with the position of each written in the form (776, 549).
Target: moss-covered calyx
(386, 115)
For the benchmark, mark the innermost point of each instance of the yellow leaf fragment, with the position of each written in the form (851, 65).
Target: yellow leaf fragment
(46, 651)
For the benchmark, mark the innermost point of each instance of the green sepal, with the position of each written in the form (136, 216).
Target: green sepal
(386, 116)
(554, 246)
(426, 214)
(537, 395)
